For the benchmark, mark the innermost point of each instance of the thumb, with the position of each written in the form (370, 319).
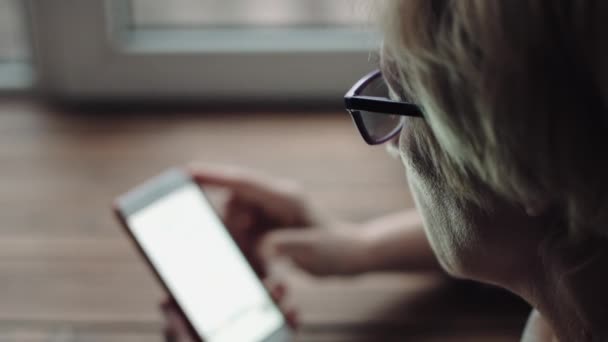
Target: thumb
(295, 244)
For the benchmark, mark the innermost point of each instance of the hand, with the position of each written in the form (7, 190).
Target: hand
(176, 329)
(256, 205)
(338, 249)
(270, 217)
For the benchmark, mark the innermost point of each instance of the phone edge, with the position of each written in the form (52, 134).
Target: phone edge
(180, 177)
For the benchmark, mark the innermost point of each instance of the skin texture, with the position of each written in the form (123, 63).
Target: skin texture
(512, 246)
(464, 236)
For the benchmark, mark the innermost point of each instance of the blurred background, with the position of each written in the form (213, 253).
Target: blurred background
(260, 50)
(96, 96)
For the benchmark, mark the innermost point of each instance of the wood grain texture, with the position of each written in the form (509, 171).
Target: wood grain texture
(67, 272)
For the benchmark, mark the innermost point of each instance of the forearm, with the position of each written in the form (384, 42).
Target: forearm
(397, 242)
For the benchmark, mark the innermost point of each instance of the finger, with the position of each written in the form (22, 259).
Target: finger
(169, 334)
(236, 179)
(168, 304)
(277, 290)
(291, 315)
(173, 319)
(238, 217)
(295, 247)
(176, 326)
(291, 243)
(247, 184)
(165, 304)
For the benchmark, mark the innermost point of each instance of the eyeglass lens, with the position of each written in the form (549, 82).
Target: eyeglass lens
(379, 126)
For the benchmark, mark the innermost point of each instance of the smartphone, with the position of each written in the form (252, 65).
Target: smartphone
(182, 238)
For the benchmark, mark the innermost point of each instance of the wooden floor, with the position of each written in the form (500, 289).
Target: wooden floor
(67, 272)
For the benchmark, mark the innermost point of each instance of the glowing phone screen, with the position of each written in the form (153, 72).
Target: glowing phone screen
(204, 269)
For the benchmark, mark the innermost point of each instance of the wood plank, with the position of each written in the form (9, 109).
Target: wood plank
(68, 332)
(61, 332)
(92, 159)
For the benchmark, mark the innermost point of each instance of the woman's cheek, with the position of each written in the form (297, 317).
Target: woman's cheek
(432, 202)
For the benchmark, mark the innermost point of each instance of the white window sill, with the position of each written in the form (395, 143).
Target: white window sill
(15, 76)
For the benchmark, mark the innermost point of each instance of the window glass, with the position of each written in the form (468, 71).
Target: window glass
(13, 46)
(248, 13)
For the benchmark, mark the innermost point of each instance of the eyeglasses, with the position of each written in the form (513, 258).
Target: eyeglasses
(378, 118)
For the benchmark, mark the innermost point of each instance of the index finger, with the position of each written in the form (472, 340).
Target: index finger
(245, 183)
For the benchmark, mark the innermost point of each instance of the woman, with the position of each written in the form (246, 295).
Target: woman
(500, 109)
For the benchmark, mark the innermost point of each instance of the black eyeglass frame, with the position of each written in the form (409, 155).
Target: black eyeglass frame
(355, 103)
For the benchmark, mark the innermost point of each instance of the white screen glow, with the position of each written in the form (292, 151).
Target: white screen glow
(204, 269)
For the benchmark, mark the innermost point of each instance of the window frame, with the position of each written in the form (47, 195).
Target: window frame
(85, 49)
(17, 76)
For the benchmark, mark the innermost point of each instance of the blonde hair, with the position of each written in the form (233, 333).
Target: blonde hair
(515, 94)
